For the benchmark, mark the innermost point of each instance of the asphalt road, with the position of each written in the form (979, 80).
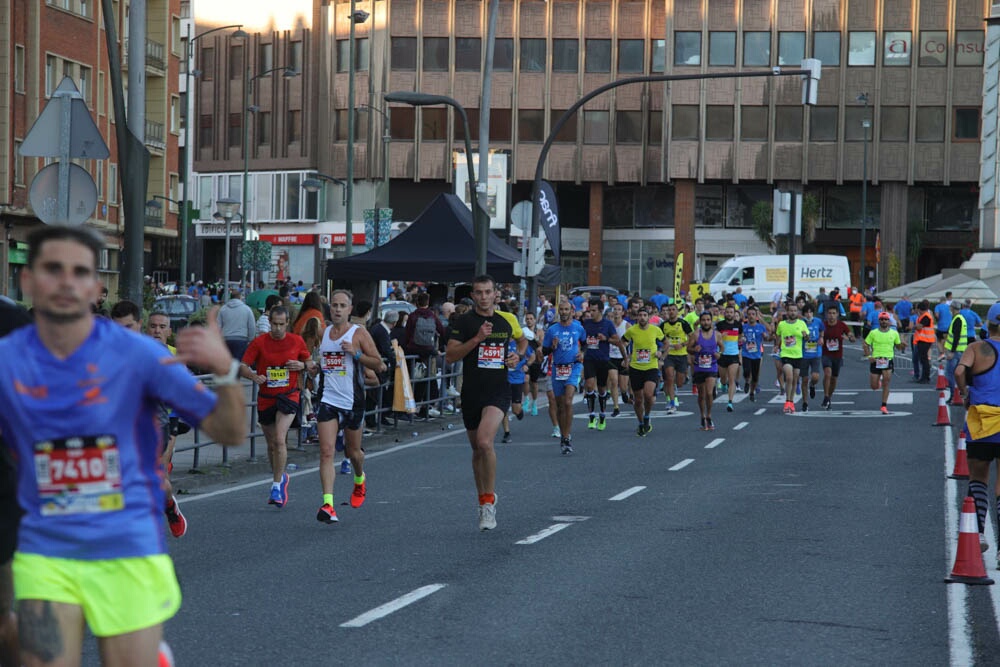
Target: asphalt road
(819, 539)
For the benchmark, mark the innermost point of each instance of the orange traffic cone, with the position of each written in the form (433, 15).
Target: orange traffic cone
(969, 568)
(961, 469)
(942, 417)
(956, 398)
(942, 381)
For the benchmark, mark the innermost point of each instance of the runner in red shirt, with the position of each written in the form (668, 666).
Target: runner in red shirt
(834, 333)
(273, 362)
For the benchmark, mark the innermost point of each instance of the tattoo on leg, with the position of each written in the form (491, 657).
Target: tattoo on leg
(39, 630)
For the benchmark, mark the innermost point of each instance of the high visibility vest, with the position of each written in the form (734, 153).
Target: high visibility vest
(856, 300)
(925, 334)
(963, 336)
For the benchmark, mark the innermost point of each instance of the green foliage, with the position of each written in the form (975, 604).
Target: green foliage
(894, 276)
(762, 215)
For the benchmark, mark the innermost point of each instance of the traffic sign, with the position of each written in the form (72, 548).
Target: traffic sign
(520, 218)
(44, 195)
(45, 138)
(325, 241)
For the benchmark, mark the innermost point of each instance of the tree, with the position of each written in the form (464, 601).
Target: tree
(762, 215)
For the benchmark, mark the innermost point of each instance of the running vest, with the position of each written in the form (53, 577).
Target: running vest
(925, 334)
(963, 336)
(677, 334)
(704, 360)
(984, 388)
(342, 380)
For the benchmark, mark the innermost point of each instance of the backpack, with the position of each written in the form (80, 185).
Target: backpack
(425, 332)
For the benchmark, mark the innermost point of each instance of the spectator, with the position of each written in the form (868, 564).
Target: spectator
(380, 332)
(264, 321)
(398, 331)
(424, 336)
(237, 324)
(659, 298)
(312, 307)
(903, 309)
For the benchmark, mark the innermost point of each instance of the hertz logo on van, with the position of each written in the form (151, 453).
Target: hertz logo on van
(816, 273)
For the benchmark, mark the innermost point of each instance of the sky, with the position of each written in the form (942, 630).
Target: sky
(255, 15)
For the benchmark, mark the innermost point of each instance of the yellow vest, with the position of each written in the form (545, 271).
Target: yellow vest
(963, 337)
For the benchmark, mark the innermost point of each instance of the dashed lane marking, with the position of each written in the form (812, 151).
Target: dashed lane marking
(715, 443)
(626, 493)
(551, 530)
(760, 412)
(389, 607)
(682, 464)
(741, 426)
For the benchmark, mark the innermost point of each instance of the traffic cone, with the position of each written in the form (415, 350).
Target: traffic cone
(942, 417)
(956, 398)
(969, 568)
(961, 469)
(942, 381)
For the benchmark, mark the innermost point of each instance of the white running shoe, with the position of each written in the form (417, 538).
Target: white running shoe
(556, 433)
(454, 393)
(488, 515)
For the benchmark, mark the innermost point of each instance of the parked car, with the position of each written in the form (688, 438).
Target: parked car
(402, 306)
(593, 290)
(179, 308)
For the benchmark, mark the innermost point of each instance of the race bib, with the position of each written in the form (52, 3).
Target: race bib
(811, 345)
(705, 360)
(564, 371)
(592, 342)
(277, 376)
(751, 346)
(642, 356)
(491, 356)
(882, 363)
(78, 475)
(790, 341)
(333, 362)
(833, 344)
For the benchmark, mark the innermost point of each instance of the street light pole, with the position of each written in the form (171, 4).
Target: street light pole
(228, 208)
(386, 139)
(865, 124)
(357, 16)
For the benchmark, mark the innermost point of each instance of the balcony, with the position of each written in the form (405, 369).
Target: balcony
(155, 136)
(156, 59)
(154, 217)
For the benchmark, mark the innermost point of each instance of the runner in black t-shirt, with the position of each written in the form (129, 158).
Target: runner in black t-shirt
(479, 338)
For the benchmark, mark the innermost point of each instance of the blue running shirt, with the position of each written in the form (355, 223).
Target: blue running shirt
(565, 341)
(753, 340)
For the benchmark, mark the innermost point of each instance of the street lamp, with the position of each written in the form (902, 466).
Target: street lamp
(865, 124)
(239, 33)
(386, 139)
(228, 209)
(357, 16)
(479, 221)
(314, 183)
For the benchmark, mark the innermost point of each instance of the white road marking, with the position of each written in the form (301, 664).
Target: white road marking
(682, 464)
(741, 426)
(760, 412)
(959, 635)
(551, 530)
(780, 399)
(572, 519)
(900, 398)
(850, 413)
(627, 492)
(715, 443)
(389, 607)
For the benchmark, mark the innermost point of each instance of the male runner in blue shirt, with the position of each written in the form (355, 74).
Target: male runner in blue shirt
(564, 340)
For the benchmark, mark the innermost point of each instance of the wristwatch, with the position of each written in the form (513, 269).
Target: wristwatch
(230, 378)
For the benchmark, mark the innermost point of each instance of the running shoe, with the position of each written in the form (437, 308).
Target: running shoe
(567, 447)
(641, 431)
(175, 518)
(454, 393)
(829, 405)
(283, 489)
(798, 390)
(275, 498)
(884, 410)
(677, 402)
(602, 423)
(746, 387)
(703, 427)
(694, 389)
(648, 427)
(729, 406)
(345, 467)
(519, 415)
(671, 409)
(506, 438)
(488, 515)
(358, 495)
(753, 397)
(556, 433)
(812, 391)
(709, 424)
(592, 424)
(789, 407)
(615, 412)
(805, 407)
(777, 384)
(327, 514)
(723, 387)
(984, 545)
(825, 403)
(534, 408)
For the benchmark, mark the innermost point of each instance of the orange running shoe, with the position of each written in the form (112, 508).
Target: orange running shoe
(358, 495)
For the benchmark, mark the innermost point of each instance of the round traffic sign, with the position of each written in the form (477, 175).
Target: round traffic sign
(520, 216)
(44, 195)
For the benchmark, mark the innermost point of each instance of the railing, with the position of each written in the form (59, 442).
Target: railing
(155, 135)
(154, 218)
(156, 56)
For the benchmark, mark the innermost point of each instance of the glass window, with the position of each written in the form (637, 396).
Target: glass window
(657, 56)
(969, 48)
(263, 186)
(718, 123)
(293, 191)
(740, 200)
(567, 134)
(531, 125)
(595, 127)
(628, 127)
(295, 126)
(404, 54)
(791, 48)
(205, 190)
(721, 48)
(655, 128)
(265, 57)
(854, 120)
(503, 55)
(895, 124)
(565, 55)
(19, 68)
(235, 129)
(826, 48)
(500, 124)
(933, 48)
(619, 207)
(532, 55)
(276, 201)
(458, 130)
(685, 125)
(295, 56)
(468, 53)
(343, 55)
(654, 206)
(951, 208)
(896, 48)
(788, 123)
(756, 49)
(205, 135)
(842, 208)
(753, 124)
(687, 48)
(207, 63)
(861, 49)
(630, 55)
(966, 126)
(434, 124)
(235, 62)
(597, 55)
(401, 123)
(709, 207)
(360, 54)
(823, 124)
(930, 124)
(435, 54)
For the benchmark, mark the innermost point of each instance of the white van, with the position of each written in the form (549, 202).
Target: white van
(761, 276)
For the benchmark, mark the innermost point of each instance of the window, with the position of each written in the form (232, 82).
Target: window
(98, 178)
(19, 163)
(113, 182)
(791, 48)
(51, 72)
(630, 55)
(83, 83)
(597, 55)
(235, 62)
(265, 57)
(500, 124)
(207, 63)
(930, 124)
(854, 120)
(740, 200)
(401, 123)
(294, 123)
(685, 123)
(18, 68)
(718, 123)
(709, 207)
(657, 56)
(176, 43)
(263, 119)
(175, 114)
(969, 48)
(293, 195)
(100, 93)
(966, 126)
(532, 55)
(206, 135)
(565, 55)
(295, 55)
(788, 123)
(458, 129)
(628, 127)
(595, 127)
(894, 124)
(842, 208)
(896, 48)
(655, 136)
(567, 134)
(756, 49)
(753, 124)
(404, 54)
(434, 124)
(826, 48)
(861, 49)
(435, 54)
(468, 52)
(235, 129)
(173, 193)
(503, 55)
(360, 54)
(687, 48)
(933, 48)
(340, 125)
(721, 49)
(948, 209)
(531, 125)
(823, 124)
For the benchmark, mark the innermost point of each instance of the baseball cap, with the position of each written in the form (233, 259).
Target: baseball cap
(993, 317)
(884, 316)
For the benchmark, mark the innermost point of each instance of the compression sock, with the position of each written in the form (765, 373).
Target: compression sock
(487, 498)
(328, 499)
(591, 398)
(603, 400)
(978, 491)
(645, 420)
(359, 480)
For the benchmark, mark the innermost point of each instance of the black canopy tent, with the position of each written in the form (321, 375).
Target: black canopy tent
(436, 247)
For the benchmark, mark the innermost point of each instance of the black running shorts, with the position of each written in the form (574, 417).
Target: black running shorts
(596, 368)
(638, 379)
(474, 402)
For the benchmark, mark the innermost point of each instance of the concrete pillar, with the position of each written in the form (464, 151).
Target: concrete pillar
(893, 232)
(684, 226)
(596, 240)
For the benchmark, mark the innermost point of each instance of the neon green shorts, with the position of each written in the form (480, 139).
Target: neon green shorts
(117, 596)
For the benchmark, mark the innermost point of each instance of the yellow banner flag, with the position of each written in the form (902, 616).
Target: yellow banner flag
(678, 275)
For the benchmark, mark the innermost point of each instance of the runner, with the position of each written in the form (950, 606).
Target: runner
(644, 368)
(789, 335)
(534, 335)
(812, 353)
(618, 374)
(73, 382)
(880, 344)
(602, 335)
(705, 345)
(344, 349)
(834, 333)
(752, 336)
(675, 362)
(515, 377)
(273, 362)
(729, 360)
(564, 341)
